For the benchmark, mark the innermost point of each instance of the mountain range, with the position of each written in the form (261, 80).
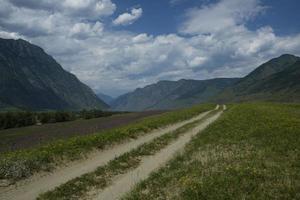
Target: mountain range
(172, 94)
(31, 79)
(275, 80)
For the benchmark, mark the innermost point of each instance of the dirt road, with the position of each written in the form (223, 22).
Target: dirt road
(125, 183)
(32, 187)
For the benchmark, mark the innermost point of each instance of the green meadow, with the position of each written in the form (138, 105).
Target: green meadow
(251, 152)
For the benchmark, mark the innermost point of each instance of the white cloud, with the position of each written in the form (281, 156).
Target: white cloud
(9, 35)
(76, 8)
(76, 17)
(128, 18)
(83, 30)
(197, 61)
(141, 38)
(217, 17)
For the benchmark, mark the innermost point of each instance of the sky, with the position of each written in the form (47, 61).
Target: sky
(115, 46)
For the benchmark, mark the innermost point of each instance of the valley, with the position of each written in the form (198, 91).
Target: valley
(200, 152)
(149, 100)
(233, 138)
(274, 81)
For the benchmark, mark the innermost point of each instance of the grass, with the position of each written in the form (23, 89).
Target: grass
(21, 164)
(102, 177)
(33, 136)
(251, 152)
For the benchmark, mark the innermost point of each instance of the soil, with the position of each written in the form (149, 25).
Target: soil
(32, 136)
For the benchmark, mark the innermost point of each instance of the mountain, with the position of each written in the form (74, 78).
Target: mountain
(171, 94)
(32, 79)
(283, 86)
(275, 80)
(107, 99)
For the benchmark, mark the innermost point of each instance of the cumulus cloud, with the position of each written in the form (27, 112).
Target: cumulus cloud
(217, 17)
(76, 17)
(114, 62)
(128, 18)
(83, 30)
(9, 35)
(76, 8)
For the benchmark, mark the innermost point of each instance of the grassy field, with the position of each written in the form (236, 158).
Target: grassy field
(21, 164)
(102, 177)
(32, 136)
(251, 152)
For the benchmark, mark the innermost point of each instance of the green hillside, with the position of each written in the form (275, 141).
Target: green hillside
(276, 80)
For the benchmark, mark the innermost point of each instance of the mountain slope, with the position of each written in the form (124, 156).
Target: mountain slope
(32, 79)
(171, 94)
(107, 99)
(270, 81)
(283, 86)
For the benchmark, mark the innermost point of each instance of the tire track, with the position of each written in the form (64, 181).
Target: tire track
(40, 183)
(125, 183)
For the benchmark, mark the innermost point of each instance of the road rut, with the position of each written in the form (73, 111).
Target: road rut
(126, 182)
(43, 182)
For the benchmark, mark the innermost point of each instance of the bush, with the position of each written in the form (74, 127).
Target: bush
(16, 119)
(21, 119)
(89, 114)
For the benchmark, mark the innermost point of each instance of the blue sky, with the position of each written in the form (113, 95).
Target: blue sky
(282, 15)
(117, 46)
(161, 17)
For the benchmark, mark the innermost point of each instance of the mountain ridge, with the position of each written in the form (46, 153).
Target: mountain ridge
(171, 94)
(251, 87)
(262, 84)
(31, 79)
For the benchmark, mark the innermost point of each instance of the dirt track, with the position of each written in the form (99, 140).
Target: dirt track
(31, 188)
(125, 183)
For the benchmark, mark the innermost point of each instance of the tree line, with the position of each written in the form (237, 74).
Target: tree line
(15, 119)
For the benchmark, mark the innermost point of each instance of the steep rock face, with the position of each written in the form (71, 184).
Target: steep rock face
(272, 80)
(34, 80)
(171, 94)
